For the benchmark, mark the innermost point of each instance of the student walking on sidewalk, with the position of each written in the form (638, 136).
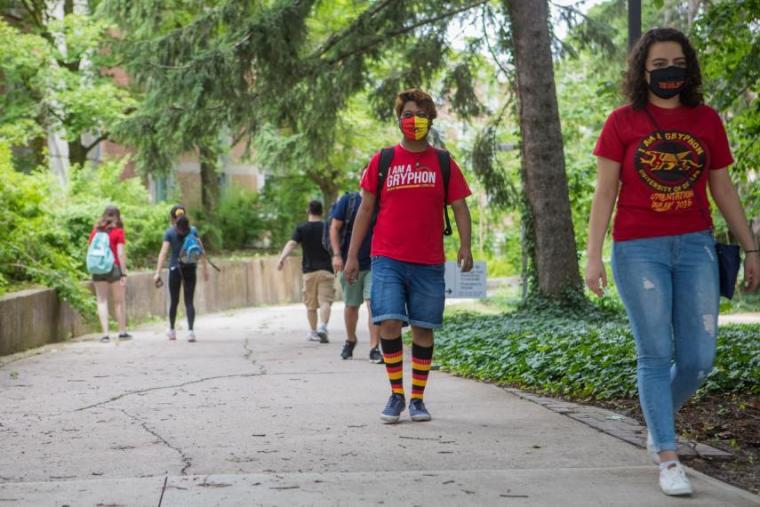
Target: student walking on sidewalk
(657, 156)
(354, 294)
(318, 278)
(186, 250)
(106, 248)
(404, 188)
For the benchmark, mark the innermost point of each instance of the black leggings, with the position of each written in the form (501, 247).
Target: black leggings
(185, 275)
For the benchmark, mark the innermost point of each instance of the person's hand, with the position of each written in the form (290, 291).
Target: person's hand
(123, 280)
(351, 270)
(156, 276)
(280, 264)
(751, 271)
(464, 259)
(595, 273)
(337, 263)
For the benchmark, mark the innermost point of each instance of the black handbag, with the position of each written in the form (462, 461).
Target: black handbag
(728, 268)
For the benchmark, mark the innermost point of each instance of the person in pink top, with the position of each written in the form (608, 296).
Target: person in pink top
(407, 206)
(113, 283)
(657, 156)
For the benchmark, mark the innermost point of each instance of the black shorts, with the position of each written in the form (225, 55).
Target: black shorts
(113, 276)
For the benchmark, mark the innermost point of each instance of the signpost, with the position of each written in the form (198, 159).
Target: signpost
(465, 285)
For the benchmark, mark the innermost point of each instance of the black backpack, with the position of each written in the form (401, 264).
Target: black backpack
(348, 223)
(444, 161)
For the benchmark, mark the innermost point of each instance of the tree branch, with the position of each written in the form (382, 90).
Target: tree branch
(101, 137)
(401, 31)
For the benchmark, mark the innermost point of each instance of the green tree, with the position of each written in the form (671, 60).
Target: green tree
(55, 79)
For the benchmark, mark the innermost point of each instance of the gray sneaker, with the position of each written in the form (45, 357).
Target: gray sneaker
(375, 356)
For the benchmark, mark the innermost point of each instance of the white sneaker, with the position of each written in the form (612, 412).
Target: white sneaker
(312, 336)
(673, 480)
(651, 450)
(171, 334)
(191, 337)
(322, 333)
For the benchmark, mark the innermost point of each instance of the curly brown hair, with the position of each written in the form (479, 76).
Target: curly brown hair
(635, 87)
(422, 99)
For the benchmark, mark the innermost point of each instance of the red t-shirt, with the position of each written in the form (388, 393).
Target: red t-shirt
(409, 224)
(115, 237)
(663, 174)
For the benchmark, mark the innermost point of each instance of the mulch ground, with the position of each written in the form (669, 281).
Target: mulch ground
(728, 422)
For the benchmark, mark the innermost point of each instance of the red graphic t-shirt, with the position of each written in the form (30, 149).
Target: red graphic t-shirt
(409, 225)
(663, 172)
(115, 237)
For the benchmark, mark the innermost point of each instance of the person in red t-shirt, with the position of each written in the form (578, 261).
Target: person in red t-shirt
(407, 247)
(657, 156)
(114, 282)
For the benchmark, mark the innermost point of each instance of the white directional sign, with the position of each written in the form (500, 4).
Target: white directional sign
(465, 285)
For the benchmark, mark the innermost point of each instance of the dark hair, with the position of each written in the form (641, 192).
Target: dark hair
(635, 87)
(422, 99)
(183, 226)
(315, 208)
(173, 213)
(111, 218)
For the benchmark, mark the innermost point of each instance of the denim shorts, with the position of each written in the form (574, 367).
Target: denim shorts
(411, 293)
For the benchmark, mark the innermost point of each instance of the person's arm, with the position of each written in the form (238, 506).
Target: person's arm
(361, 226)
(337, 259)
(161, 258)
(204, 259)
(121, 252)
(727, 200)
(289, 247)
(464, 227)
(607, 183)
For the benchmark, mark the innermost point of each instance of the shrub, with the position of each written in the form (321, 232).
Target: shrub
(238, 218)
(579, 355)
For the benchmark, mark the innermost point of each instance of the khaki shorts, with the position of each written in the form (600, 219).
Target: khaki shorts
(318, 288)
(354, 294)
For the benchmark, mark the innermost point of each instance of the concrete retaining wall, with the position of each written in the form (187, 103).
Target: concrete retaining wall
(36, 317)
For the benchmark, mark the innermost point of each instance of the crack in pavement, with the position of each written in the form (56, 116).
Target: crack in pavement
(188, 462)
(149, 389)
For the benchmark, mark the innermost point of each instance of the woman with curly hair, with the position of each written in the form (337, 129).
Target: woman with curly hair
(657, 156)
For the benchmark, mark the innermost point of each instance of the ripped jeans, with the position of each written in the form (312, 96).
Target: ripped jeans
(669, 286)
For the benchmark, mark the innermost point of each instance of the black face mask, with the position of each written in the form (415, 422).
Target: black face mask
(667, 82)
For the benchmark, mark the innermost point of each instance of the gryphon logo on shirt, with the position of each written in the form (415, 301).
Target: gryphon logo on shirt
(404, 176)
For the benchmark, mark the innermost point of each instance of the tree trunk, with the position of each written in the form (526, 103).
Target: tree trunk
(77, 152)
(543, 165)
(209, 181)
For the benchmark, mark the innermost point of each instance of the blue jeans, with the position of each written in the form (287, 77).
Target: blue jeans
(411, 293)
(669, 286)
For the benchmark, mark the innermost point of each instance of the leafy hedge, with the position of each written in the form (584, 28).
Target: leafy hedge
(577, 354)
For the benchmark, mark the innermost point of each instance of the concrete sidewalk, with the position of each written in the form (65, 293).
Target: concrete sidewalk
(253, 414)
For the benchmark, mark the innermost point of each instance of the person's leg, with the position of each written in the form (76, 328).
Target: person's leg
(426, 304)
(189, 278)
(325, 295)
(374, 331)
(696, 301)
(643, 275)
(351, 319)
(175, 284)
(117, 293)
(101, 296)
(389, 311)
(311, 302)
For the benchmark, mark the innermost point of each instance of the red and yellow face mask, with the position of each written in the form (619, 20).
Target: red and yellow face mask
(414, 128)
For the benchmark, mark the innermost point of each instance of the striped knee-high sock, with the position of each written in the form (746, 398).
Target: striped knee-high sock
(393, 354)
(422, 357)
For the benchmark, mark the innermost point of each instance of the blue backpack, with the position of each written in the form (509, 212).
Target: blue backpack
(191, 249)
(100, 258)
(354, 199)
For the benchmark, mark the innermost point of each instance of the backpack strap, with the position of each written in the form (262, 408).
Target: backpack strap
(386, 157)
(444, 162)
